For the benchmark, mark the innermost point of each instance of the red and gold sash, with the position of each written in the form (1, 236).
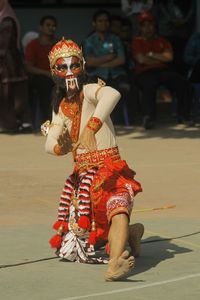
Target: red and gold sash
(73, 111)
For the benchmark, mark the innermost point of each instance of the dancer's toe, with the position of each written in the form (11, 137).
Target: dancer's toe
(119, 268)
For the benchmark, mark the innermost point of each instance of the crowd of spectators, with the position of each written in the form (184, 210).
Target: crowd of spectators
(152, 54)
(135, 52)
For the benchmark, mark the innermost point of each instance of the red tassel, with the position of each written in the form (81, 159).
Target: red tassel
(55, 241)
(84, 222)
(92, 238)
(57, 224)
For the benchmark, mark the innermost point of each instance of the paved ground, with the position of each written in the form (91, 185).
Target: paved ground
(167, 161)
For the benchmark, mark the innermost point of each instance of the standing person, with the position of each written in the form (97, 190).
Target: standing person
(97, 198)
(152, 55)
(126, 35)
(36, 56)
(123, 29)
(132, 8)
(192, 57)
(105, 58)
(192, 60)
(176, 21)
(13, 78)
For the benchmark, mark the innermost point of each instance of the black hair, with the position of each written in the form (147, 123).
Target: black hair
(59, 90)
(44, 18)
(101, 12)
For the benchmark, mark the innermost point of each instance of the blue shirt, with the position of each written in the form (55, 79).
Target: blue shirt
(96, 47)
(192, 50)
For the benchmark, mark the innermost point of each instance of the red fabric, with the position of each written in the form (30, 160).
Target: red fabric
(140, 45)
(109, 180)
(56, 241)
(37, 54)
(84, 222)
(92, 238)
(57, 224)
(116, 175)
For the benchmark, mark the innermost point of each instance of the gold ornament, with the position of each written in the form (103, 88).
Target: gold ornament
(64, 48)
(75, 202)
(60, 230)
(93, 225)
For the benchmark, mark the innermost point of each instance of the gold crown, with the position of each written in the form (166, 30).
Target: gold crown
(64, 48)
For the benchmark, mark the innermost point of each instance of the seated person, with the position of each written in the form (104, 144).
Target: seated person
(153, 54)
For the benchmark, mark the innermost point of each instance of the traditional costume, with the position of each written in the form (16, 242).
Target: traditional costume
(101, 184)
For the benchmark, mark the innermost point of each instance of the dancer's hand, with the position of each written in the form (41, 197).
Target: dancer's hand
(86, 141)
(65, 142)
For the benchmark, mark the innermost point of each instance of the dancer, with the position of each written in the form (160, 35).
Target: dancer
(97, 198)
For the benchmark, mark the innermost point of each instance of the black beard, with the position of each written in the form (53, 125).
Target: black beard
(60, 90)
(60, 82)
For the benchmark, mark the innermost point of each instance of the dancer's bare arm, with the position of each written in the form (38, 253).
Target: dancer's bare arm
(86, 141)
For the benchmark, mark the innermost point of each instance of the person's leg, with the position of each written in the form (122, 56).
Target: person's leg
(8, 116)
(34, 104)
(136, 232)
(183, 90)
(196, 103)
(22, 107)
(44, 87)
(119, 228)
(120, 263)
(117, 115)
(148, 83)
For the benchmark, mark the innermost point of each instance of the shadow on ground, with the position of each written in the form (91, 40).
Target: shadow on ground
(162, 130)
(155, 250)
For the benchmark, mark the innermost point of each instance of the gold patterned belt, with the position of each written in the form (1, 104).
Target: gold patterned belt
(96, 157)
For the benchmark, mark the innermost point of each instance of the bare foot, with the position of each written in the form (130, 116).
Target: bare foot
(136, 232)
(120, 267)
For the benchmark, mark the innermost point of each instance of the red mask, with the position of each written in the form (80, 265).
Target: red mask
(68, 68)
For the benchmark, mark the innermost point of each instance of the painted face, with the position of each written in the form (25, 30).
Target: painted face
(69, 68)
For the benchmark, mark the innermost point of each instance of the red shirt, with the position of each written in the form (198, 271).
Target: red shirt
(144, 46)
(37, 54)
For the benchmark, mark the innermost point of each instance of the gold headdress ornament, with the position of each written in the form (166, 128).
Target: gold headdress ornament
(64, 48)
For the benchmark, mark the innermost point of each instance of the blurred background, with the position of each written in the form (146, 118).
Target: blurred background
(74, 16)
